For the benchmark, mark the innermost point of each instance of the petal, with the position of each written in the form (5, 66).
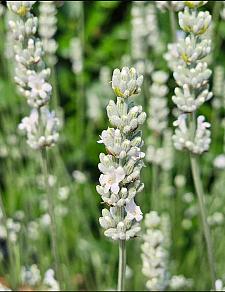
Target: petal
(115, 188)
(139, 217)
(106, 188)
(120, 174)
(131, 206)
(43, 94)
(47, 87)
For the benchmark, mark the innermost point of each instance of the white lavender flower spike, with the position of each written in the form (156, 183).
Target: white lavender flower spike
(179, 282)
(76, 55)
(154, 253)
(116, 228)
(158, 110)
(192, 75)
(159, 151)
(31, 77)
(30, 71)
(48, 28)
(120, 179)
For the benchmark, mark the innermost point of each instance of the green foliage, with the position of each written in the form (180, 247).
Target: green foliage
(88, 259)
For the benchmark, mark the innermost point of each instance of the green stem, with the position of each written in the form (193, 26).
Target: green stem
(122, 260)
(51, 211)
(217, 37)
(216, 13)
(173, 25)
(13, 278)
(154, 199)
(2, 49)
(80, 83)
(122, 265)
(200, 195)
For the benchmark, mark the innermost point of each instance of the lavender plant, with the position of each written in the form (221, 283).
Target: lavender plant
(41, 127)
(191, 73)
(120, 179)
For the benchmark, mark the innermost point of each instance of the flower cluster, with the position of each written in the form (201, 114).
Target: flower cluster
(31, 75)
(219, 161)
(48, 28)
(22, 8)
(191, 74)
(30, 275)
(195, 4)
(120, 179)
(183, 138)
(50, 282)
(155, 255)
(126, 82)
(194, 22)
(219, 285)
(179, 282)
(37, 136)
(174, 5)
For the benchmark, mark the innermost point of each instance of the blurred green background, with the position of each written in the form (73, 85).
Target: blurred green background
(89, 260)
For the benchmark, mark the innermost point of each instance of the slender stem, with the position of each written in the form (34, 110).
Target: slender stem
(216, 13)
(122, 265)
(154, 201)
(80, 83)
(12, 274)
(2, 49)
(51, 211)
(217, 37)
(173, 25)
(122, 259)
(200, 195)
